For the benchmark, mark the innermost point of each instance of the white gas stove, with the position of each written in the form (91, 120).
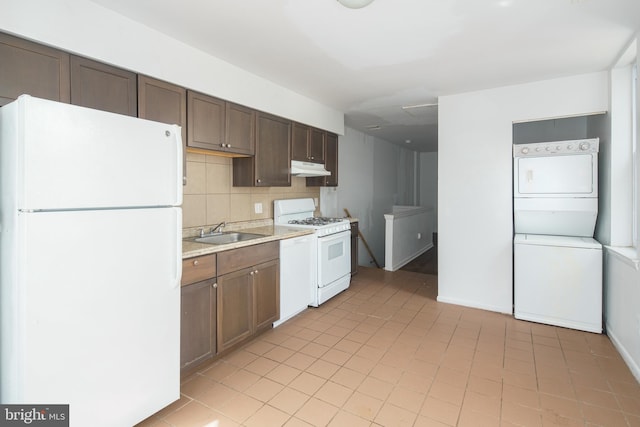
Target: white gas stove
(333, 240)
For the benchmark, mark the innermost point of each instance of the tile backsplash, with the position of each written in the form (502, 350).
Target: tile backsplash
(210, 198)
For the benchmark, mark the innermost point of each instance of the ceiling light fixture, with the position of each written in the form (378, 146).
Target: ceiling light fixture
(355, 4)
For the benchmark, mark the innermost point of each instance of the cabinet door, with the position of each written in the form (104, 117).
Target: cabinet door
(167, 103)
(273, 151)
(103, 87)
(266, 286)
(330, 163)
(354, 248)
(30, 68)
(300, 142)
(240, 127)
(198, 323)
(331, 160)
(235, 308)
(316, 146)
(205, 121)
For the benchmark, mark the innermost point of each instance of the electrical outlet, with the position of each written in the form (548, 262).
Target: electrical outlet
(257, 207)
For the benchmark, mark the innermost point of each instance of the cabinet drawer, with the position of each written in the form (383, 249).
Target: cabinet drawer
(237, 259)
(199, 268)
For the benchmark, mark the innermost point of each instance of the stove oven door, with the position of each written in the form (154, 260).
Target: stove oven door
(334, 257)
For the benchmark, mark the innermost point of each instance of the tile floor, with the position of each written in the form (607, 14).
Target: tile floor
(385, 353)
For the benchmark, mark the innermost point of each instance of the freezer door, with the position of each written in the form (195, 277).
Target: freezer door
(97, 314)
(70, 157)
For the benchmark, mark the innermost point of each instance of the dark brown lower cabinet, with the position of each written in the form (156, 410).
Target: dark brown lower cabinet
(235, 308)
(248, 292)
(266, 291)
(198, 323)
(354, 247)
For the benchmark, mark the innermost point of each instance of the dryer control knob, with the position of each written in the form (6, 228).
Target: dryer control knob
(584, 146)
(525, 150)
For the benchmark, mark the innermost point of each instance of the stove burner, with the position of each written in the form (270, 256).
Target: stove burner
(316, 220)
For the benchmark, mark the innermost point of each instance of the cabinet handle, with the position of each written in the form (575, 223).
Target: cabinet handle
(196, 262)
(256, 271)
(228, 145)
(222, 145)
(251, 274)
(259, 180)
(215, 285)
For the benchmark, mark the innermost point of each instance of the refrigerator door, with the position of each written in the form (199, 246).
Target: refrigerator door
(71, 157)
(95, 309)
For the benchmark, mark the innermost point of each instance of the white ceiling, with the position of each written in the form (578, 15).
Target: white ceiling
(371, 62)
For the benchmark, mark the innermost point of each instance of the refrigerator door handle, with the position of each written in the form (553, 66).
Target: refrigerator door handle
(177, 133)
(177, 255)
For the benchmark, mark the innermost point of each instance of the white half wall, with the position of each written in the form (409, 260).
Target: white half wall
(475, 222)
(87, 29)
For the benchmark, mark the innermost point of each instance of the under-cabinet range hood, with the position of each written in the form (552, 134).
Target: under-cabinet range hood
(307, 169)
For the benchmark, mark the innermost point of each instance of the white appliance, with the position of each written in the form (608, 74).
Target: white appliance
(558, 281)
(555, 187)
(297, 275)
(333, 246)
(90, 265)
(557, 263)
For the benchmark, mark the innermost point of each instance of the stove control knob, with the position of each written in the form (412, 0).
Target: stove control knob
(584, 146)
(525, 150)
(538, 148)
(548, 148)
(569, 147)
(558, 148)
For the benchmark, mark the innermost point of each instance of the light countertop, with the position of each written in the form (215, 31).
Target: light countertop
(271, 233)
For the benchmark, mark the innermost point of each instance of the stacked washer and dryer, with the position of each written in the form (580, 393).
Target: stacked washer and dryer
(557, 263)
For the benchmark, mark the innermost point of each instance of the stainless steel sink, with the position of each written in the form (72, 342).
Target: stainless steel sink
(227, 237)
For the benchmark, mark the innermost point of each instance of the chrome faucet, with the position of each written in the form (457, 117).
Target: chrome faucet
(218, 227)
(213, 229)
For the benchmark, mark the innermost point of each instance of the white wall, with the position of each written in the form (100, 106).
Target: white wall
(368, 187)
(621, 268)
(87, 29)
(475, 225)
(429, 184)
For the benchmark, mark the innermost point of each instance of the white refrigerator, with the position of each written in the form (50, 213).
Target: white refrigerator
(90, 261)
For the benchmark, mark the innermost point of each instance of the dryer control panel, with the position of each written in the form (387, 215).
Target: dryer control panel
(555, 148)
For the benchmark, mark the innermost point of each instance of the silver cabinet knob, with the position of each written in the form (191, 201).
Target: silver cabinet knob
(196, 262)
(215, 285)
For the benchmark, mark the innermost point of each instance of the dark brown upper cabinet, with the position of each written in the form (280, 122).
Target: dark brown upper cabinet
(214, 124)
(300, 142)
(205, 121)
(271, 165)
(240, 129)
(317, 141)
(103, 87)
(167, 103)
(307, 143)
(30, 68)
(330, 164)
